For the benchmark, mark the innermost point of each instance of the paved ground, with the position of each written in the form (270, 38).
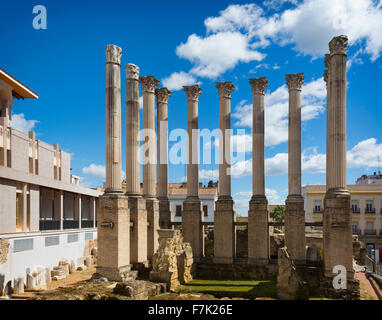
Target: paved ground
(367, 291)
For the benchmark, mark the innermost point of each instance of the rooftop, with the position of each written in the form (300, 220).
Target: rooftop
(19, 90)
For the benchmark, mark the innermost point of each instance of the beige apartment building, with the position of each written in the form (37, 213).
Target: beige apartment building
(366, 206)
(45, 215)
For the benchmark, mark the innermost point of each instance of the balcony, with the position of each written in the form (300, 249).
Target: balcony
(317, 210)
(358, 232)
(370, 232)
(87, 223)
(46, 225)
(356, 210)
(71, 224)
(370, 210)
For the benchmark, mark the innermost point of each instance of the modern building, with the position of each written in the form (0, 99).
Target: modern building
(366, 206)
(44, 217)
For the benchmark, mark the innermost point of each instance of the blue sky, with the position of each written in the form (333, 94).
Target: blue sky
(184, 42)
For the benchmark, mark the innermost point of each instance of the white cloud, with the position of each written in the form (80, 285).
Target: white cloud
(96, 171)
(365, 154)
(20, 123)
(273, 196)
(214, 54)
(177, 80)
(276, 110)
(209, 174)
(243, 193)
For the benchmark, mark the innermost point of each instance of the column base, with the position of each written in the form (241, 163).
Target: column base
(295, 228)
(116, 274)
(113, 236)
(152, 207)
(225, 231)
(138, 230)
(166, 216)
(192, 228)
(258, 232)
(337, 219)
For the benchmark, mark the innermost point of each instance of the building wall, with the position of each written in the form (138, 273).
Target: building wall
(45, 160)
(34, 194)
(19, 150)
(65, 167)
(7, 206)
(19, 263)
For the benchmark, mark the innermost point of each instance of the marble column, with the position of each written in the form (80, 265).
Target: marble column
(113, 214)
(225, 216)
(113, 120)
(165, 213)
(294, 205)
(136, 203)
(152, 205)
(337, 213)
(192, 218)
(258, 235)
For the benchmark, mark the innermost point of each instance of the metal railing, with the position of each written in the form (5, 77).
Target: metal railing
(370, 210)
(49, 225)
(87, 223)
(370, 232)
(71, 224)
(357, 210)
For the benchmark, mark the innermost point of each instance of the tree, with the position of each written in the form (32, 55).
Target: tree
(278, 213)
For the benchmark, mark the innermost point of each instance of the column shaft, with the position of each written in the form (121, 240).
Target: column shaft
(224, 217)
(133, 177)
(258, 236)
(165, 212)
(193, 231)
(294, 213)
(113, 120)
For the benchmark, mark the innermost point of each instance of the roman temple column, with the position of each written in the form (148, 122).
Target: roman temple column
(337, 214)
(294, 205)
(148, 150)
(225, 216)
(258, 235)
(114, 214)
(192, 217)
(165, 212)
(137, 205)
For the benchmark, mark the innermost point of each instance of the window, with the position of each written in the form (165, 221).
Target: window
(205, 210)
(354, 206)
(317, 206)
(178, 211)
(369, 206)
(369, 226)
(355, 228)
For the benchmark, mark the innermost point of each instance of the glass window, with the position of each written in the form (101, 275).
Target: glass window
(369, 226)
(178, 210)
(205, 210)
(355, 227)
(317, 206)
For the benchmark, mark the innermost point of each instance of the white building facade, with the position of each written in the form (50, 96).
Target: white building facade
(44, 218)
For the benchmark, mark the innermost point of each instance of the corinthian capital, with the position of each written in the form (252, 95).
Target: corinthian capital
(258, 85)
(326, 75)
(327, 61)
(162, 95)
(338, 45)
(113, 54)
(132, 71)
(192, 92)
(225, 89)
(148, 83)
(295, 81)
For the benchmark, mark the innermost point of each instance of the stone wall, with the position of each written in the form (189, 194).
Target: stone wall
(173, 262)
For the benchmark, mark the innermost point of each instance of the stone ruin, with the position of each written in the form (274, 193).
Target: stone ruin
(173, 262)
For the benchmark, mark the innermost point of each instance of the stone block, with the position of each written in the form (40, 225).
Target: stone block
(18, 285)
(152, 207)
(138, 230)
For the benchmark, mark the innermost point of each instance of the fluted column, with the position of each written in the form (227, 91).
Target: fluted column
(165, 212)
(152, 205)
(132, 131)
(258, 236)
(148, 88)
(113, 228)
(337, 214)
(224, 217)
(192, 207)
(329, 119)
(294, 212)
(113, 119)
